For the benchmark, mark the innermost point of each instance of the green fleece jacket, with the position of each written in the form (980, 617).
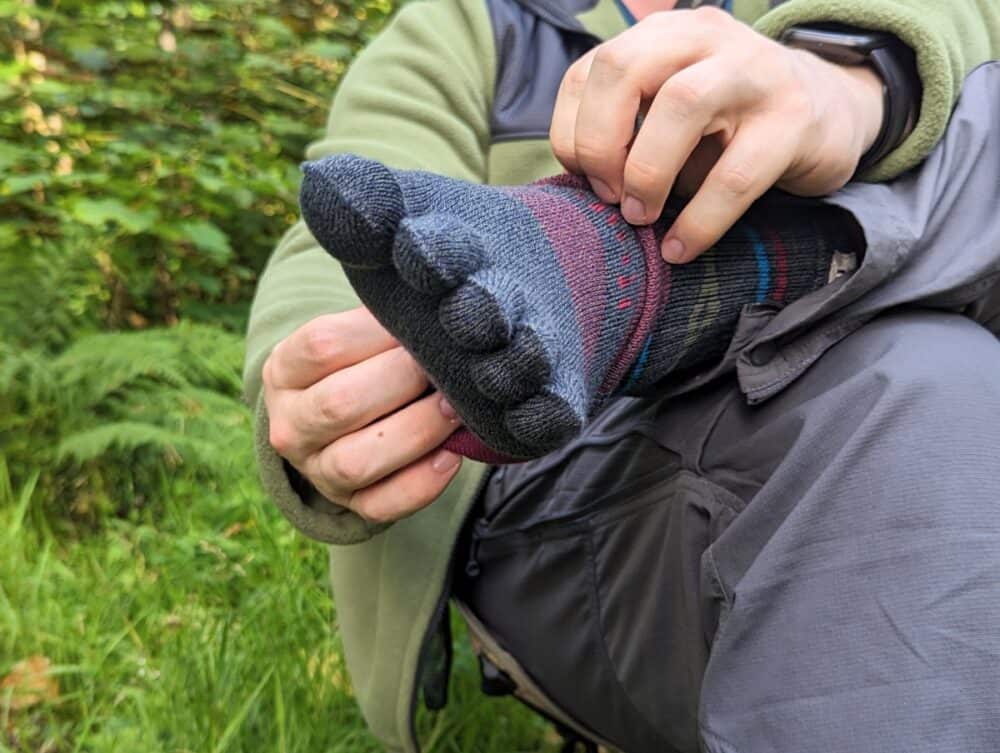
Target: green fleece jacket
(420, 97)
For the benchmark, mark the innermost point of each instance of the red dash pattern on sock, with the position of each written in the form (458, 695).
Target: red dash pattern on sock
(655, 290)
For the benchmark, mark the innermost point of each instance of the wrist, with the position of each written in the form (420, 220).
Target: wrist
(886, 56)
(866, 92)
(853, 109)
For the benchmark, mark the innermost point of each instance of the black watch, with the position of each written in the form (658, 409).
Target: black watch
(891, 59)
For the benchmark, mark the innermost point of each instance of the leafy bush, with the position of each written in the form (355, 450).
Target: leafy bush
(148, 156)
(148, 152)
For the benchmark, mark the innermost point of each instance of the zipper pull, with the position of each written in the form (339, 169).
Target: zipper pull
(472, 568)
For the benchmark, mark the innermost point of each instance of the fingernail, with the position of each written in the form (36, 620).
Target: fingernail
(447, 410)
(634, 211)
(445, 461)
(673, 250)
(603, 190)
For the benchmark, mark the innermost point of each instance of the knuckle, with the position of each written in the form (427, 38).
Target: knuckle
(267, 372)
(685, 95)
(563, 149)
(644, 177)
(659, 18)
(370, 509)
(347, 469)
(709, 15)
(736, 180)
(575, 79)
(319, 344)
(334, 406)
(592, 151)
(281, 437)
(613, 58)
(427, 435)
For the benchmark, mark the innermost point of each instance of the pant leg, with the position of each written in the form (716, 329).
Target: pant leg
(858, 592)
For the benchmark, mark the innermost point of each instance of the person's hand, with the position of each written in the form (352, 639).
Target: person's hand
(345, 409)
(727, 114)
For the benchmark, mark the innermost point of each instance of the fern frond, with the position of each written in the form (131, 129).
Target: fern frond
(126, 437)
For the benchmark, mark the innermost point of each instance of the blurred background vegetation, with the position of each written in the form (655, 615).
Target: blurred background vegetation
(151, 599)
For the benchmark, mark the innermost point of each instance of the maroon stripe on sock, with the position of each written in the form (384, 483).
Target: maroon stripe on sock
(781, 265)
(655, 290)
(570, 232)
(463, 442)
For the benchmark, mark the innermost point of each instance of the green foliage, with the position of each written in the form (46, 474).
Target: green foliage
(149, 151)
(113, 412)
(206, 627)
(148, 164)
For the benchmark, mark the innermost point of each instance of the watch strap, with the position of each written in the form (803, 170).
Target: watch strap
(889, 57)
(896, 65)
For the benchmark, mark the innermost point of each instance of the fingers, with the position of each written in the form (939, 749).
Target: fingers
(364, 457)
(323, 346)
(625, 72)
(562, 131)
(352, 398)
(747, 168)
(407, 490)
(686, 108)
(709, 81)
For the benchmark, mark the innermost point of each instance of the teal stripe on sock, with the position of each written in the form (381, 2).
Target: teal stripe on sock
(763, 264)
(640, 365)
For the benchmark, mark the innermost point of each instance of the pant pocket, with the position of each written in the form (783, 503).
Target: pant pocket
(604, 608)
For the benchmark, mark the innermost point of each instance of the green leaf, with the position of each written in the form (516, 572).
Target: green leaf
(208, 238)
(8, 234)
(20, 183)
(92, 59)
(324, 48)
(97, 212)
(274, 27)
(10, 155)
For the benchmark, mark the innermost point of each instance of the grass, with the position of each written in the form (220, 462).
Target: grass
(200, 623)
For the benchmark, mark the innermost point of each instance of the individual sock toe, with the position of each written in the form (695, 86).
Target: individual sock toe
(480, 316)
(543, 422)
(515, 373)
(435, 253)
(352, 206)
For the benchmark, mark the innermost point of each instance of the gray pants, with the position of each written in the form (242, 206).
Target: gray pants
(820, 572)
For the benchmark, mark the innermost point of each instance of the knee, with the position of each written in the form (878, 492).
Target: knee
(928, 424)
(939, 372)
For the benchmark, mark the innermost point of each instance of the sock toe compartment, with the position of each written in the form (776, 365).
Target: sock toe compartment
(516, 373)
(481, 315)
(436, 253)
(353, 207)
(543, 422)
